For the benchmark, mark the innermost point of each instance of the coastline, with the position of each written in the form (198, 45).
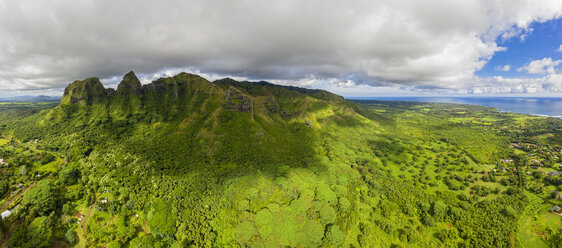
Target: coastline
(535, 106)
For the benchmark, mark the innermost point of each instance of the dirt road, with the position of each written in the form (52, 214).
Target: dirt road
(8, 202)
(85, 220)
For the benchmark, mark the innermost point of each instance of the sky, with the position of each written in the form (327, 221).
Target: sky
(352, 48)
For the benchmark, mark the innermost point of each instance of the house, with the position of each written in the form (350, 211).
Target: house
(103, 200)
(556, 209)
(19, 186)
(6, 214)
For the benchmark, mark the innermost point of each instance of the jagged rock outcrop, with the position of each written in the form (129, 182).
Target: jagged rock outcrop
(237, 101)
(173, 97)
(109, 91)
(129, 84)
(162, 85)
(86, 91)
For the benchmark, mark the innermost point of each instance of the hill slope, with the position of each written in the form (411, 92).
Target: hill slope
(187, 162)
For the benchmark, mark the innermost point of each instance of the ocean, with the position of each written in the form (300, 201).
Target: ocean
(543, 106)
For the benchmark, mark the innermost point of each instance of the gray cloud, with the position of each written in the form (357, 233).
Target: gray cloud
(410, 43)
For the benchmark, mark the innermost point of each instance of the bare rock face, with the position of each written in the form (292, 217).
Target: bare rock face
(236, 101)
(129, 84)
(270, 104)
(85, 92)
(109, 91)
(162, 86)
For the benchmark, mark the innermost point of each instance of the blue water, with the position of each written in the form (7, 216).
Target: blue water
(523, 105)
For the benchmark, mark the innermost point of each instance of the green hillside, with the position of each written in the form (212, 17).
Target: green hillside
(185, 162)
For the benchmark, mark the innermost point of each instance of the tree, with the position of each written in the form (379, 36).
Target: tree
(145, 241)
(41, 199)
(69, 175)
(161, 220)
(48, 158)
(4, 187)
(428, 220)
(521, 160)
(334, 236)
(509, 211)
(23, 170)
(39, 232)
(2, 226)
(71, 237)
(18, 237)
(521, 178)
(68, 208)
(439, 210)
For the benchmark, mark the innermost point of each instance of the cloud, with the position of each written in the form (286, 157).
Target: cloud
(503, 68)
(414, 44)
(542, 66)
(501, 85)
(559, 48)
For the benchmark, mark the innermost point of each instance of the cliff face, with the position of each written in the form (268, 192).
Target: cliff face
(236, 101)
(129, 84)
(186, 94)
(83, 92)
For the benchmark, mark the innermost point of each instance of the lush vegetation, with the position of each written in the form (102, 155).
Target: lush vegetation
(183, 162)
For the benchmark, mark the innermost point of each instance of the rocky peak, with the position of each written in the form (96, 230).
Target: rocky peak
(85, 91)
(130, 83)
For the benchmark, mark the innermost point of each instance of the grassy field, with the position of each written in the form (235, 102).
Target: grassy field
(50, 167)
(534, 221)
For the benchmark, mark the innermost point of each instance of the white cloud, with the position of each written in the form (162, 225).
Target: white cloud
(503, 68)
(541, 66)
(559, 48)
(409, 43)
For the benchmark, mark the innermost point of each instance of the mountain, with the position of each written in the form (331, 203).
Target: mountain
(39, 98)
(250, 121)
(43, 98)
(187, 89)
(185, 162)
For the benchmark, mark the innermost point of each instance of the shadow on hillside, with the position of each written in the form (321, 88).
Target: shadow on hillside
(235, 151)
(369, 109)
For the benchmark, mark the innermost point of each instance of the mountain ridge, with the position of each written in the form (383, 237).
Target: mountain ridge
(89, 88)
(171, 95)
(205, 113)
